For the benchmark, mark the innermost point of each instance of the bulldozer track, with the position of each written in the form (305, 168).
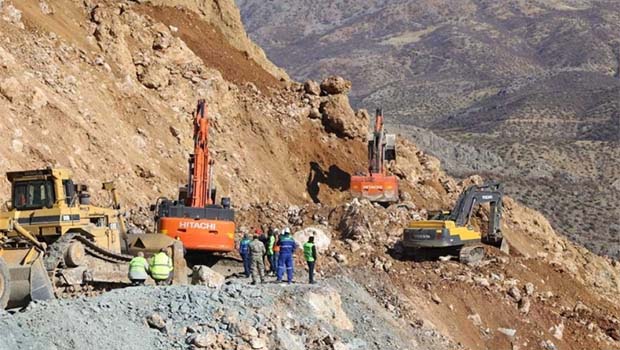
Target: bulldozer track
(54, 261)
(56, 251)
(103, 254)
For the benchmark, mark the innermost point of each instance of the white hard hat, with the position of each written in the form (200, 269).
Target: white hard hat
(287, 230)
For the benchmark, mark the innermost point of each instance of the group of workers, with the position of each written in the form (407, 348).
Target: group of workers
(279, 250)
(159, 267)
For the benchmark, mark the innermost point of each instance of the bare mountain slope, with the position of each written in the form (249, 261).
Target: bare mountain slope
(111, 93)
(531, 83)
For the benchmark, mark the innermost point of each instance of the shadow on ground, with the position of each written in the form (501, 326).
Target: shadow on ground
(334, 177)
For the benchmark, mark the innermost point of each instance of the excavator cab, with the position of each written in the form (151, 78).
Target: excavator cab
(451, 231)
(377, 186)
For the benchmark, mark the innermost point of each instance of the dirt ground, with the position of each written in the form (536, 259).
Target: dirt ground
(206, 41)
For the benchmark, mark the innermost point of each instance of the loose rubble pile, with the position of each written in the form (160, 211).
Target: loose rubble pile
(519, 300)
(234, 316)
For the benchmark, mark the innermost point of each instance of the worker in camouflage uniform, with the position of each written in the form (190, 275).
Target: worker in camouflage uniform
(244, 251)
(257, 250)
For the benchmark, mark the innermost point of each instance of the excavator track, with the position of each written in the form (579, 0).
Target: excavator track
(472, 255)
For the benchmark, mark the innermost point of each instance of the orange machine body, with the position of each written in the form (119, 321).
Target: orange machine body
(202, 234)
(194, 218)
(375, 188)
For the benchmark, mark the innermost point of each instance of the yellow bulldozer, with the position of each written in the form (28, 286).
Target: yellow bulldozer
(53, 242)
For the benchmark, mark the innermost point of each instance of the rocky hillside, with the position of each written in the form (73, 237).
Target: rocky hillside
(107, 88)
(111, 91)
(524, 91)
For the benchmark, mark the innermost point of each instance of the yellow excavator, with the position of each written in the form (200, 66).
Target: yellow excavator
(451, 231)
(54, 243)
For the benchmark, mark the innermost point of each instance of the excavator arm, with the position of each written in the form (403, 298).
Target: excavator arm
(195, 219)
(377, 186)
(475, 195)
(200, 185)
(381, 146)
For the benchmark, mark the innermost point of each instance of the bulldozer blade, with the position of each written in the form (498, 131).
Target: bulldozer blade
(40, 285)
(28, 279)
(180, 264)
(151, 243)
(148, 243)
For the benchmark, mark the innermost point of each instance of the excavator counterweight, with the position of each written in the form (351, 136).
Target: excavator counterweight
(377, 186)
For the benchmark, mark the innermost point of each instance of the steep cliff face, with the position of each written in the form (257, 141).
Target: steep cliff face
(225, 15)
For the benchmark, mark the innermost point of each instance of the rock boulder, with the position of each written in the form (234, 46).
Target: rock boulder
(338, 117)
(204, 276)
(312, 88)
(322, 237)
(335, 85)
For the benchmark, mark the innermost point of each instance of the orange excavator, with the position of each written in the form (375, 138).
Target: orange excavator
(194, 218)
(377, 186)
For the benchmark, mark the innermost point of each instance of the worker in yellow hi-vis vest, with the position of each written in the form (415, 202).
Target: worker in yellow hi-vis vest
(310, 256)
(138, 270)
(161, 267)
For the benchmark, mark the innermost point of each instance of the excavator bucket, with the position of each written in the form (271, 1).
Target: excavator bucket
(375, 188)
(23, 277)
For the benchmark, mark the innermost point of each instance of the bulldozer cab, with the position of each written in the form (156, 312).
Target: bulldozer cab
(38, 189)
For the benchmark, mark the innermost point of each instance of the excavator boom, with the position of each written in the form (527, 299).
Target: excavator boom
(200, 184)
(195, 219)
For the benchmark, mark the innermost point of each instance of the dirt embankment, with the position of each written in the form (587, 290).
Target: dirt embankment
(111, 92)
(215, 50)
(225, 16)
